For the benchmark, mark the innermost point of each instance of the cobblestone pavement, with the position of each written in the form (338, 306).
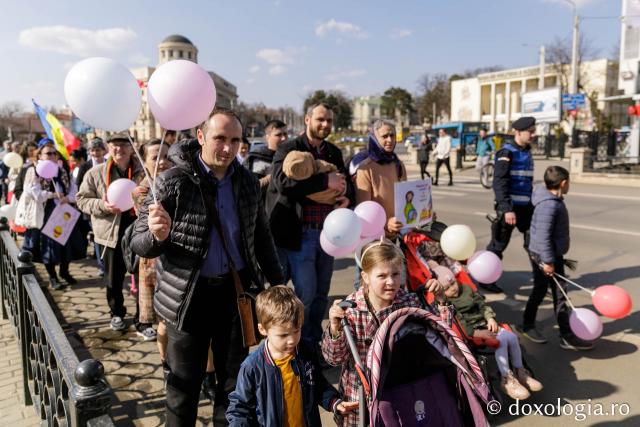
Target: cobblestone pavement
(12, 409)
(132, 366)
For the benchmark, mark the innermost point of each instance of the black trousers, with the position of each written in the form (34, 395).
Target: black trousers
(541, 282)
(115, 270)
(501, 231)
(423, 168)
(440, 162)
(211, 319)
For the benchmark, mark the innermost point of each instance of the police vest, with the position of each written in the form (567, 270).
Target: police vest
(521, 174)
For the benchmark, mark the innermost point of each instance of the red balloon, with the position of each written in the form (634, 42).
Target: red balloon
(612, 301)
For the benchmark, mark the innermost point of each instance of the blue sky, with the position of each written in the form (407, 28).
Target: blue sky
(276, 51)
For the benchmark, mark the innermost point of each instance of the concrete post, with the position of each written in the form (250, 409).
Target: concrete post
(578, 159)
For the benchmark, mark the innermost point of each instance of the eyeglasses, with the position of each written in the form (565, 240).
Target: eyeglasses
(49, 153)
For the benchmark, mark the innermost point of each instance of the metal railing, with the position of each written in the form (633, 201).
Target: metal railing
(62, 390)
(612, 164)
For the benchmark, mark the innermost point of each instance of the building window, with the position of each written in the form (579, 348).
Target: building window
(171, 54)
(180, 54)
(164, 54)
(189, 55)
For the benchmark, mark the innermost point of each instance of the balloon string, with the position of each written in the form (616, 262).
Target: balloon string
(153, 190)
(589, 291)
(155, 169)
(563, 291)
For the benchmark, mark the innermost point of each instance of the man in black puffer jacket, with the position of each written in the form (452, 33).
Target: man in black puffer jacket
(195, 292)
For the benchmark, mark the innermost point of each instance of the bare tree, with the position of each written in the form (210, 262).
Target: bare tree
(558, 53)
(433, 89)
(10, 113)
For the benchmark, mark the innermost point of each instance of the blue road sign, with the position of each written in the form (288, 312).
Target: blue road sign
(573, 101)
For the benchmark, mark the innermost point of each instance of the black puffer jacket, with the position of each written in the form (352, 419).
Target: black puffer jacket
(185, 196)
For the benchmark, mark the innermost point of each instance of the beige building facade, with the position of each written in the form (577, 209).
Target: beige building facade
(367, 109)
(495, 98)
(171, 48)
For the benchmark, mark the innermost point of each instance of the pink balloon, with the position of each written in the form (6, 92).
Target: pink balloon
(47, 169)
(485, 267)
(119, 193)
(333, 250)
(585, 324)
(612, 301)
(181, 94)
(373, 218)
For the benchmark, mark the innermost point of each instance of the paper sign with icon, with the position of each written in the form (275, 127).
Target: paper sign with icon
(61, 223)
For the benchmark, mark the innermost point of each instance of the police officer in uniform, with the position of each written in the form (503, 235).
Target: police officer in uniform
(512, 186)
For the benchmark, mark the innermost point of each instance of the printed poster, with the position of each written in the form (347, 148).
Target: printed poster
(413, 203)
(61, 223)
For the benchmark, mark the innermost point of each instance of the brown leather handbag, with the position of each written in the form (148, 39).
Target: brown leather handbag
(246, 301)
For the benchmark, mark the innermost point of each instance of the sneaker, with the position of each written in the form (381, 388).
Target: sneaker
(68, 278)
(55, 284)
(525, 378)
(147, 334)
(513, 388)
(491, 287)
(209, 386)
(117, 324)
(572, 342)
(532, 334)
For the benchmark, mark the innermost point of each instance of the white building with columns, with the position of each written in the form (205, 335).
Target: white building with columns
(174, 47)
(495, 98)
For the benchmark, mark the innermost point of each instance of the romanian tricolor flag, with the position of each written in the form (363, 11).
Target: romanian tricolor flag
(65, 141)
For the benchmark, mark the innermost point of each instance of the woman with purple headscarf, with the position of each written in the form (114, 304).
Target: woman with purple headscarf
(376, 170)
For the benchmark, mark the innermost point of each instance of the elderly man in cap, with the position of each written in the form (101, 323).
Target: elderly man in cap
(97, 151)
(512, 186)
(109, 223)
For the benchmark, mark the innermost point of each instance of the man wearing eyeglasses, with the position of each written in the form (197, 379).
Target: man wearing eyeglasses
(512, 187)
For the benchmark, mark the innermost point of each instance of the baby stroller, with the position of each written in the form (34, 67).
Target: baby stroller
(418, 272)
(420, 374)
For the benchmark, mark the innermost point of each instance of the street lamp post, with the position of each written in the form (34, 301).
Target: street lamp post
(573, 87)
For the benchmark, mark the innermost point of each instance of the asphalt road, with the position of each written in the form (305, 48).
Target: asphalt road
(605, 239)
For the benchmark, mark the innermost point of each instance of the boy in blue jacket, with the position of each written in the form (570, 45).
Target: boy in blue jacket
(281, 383)
(549, 242)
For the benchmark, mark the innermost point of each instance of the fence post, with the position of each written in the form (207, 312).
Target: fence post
(92, 397)
(24, 267)
(3, 227)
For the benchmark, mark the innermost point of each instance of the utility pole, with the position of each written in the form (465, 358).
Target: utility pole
(574, 52)
(433, 121)
(542, 65)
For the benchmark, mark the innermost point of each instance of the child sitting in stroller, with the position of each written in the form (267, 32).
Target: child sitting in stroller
(479, 320)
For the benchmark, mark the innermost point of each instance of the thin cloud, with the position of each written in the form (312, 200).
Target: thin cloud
(341, 28)
(254, 69)
(77, 41)
(579, 3)
(275, 56)
(340, 86)
(400, 34)
(277, 70)
(251, 81)
(344, 74)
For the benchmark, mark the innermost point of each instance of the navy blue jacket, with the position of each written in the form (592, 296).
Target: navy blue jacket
(513, 177)
(258, 397)
(549, 230)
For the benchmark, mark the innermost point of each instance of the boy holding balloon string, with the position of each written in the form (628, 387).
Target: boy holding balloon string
(549, 242)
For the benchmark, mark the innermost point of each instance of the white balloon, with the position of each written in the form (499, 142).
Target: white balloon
(13, 160)
(9, 211)
(458, 242)
(103, 93)
(342, 228)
